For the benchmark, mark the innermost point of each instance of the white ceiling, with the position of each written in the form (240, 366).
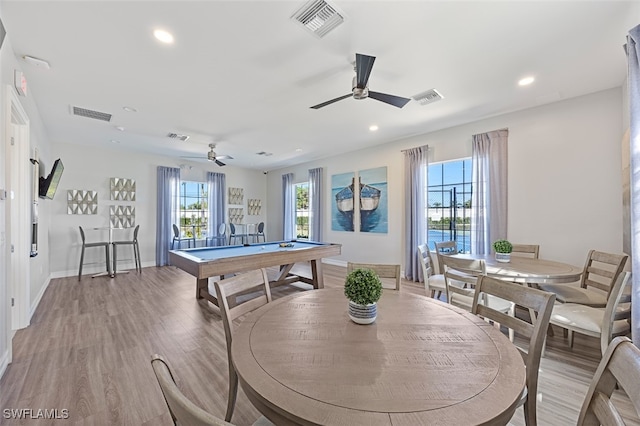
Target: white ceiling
(243, 74)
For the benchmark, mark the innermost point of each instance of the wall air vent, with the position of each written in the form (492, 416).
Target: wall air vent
(177, 136)
(319, 17)
(428, 97)
(96, 115)
(266, 154)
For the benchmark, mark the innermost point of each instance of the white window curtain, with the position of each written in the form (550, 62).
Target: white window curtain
(416, 163)
(167, 211)
(489, 198)
(633, 55)
(315, 204)
(289, 207)
(216, 183)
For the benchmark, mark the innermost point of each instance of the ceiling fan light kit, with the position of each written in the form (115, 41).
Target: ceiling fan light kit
(360, 86)
(213, 157)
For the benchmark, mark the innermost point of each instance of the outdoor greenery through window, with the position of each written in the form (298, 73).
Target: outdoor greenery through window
(194, 211)
(449, 203)
(302, 210)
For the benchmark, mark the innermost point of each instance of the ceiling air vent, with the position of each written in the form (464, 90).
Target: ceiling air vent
(96, 115)
(266, 154)
(177, 136)
(428, 97)
(319, 17)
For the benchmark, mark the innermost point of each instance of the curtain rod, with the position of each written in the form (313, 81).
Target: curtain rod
(423, 146)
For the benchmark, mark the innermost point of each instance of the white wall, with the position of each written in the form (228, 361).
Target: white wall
(91, 169)
(564, 180)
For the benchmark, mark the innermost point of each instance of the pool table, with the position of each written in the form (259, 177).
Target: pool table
(207, 262)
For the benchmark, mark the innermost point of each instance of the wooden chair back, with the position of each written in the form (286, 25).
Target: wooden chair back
(383, 270)
(539, 304)
(602, 269)
(618, 308)
(620, 366)
(460, 276)
(444, 248)
(241, 284)
(528, 250)
(183, 411)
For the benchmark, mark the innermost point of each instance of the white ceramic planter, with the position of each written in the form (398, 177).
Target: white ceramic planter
(503, 257)
(363, 314)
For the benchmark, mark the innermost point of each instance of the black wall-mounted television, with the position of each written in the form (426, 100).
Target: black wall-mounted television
(49, 184)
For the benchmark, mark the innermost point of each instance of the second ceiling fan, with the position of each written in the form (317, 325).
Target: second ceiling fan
(363, 66)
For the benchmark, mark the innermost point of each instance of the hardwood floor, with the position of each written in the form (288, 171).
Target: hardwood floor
(89, 346)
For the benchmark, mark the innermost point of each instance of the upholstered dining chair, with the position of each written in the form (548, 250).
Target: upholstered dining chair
(600, 272)
(136, 250)
(383, 270)
(604, 323)
(619, 367)
(432, 282)
(256, 280)
(183, 411)
(86, 245)
(460, 277)
(539, 303)
(221, 237)
(527, 250)
(259, 233)
(177, 238)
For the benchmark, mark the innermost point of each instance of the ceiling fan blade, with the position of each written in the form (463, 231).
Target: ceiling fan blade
(224, 157)
(200, 157)
(396, 101)
(219, 163)
(364, 64)
(324, 104)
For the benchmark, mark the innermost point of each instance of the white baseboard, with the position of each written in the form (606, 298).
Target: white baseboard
(36, 302)
(335, 262)
(90, 270)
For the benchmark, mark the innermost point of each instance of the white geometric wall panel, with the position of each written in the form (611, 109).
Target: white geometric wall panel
(82, 202)
(123, 189)
(236, 195)
(236, 215)
(122, 216)
(254, 206)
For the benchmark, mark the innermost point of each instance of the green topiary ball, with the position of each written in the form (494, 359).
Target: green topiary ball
(363, 286)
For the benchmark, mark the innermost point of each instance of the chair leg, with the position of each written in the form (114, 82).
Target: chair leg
(115, 259)
(233, 392)
(570, 333)
(81, 261)
(136, 253)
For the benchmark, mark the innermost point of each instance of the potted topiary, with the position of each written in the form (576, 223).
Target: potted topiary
(363, 288)
(503, 250)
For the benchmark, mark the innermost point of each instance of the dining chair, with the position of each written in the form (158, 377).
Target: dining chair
(259, 233)
(432, 282)
(183, 411)
(86, 245)
(600, 272)
(539, 304)
(526, 250)
(444, 248)
(136, 250)
(221, 237)
(604, 323)
(240, 284)
(619, 367)
(460, 277)
(233, 235)
(383, 270)
(179, 239)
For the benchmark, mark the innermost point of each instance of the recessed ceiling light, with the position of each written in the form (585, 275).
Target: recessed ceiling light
(163, 36)
(129, 109)
(114, 141)
(298, 149)
(526, 81)
(373, 128)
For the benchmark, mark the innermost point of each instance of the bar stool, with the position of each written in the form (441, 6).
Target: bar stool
(260, 233)
(85, 245)
(222, 236)
(233, 235)
(179, 239)
(136, 250)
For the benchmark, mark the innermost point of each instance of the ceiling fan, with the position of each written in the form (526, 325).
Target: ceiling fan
(211, 156)
(363, 66)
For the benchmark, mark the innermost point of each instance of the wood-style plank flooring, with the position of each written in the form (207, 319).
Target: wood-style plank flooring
(90, 342)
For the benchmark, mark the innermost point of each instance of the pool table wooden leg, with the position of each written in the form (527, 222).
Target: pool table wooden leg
(316, 273)
(202, 283)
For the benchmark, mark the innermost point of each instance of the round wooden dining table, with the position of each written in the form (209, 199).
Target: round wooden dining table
(528, 270)
(301, 360)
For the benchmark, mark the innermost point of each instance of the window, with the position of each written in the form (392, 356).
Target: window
(449, 203)
(302, 210)
(194, 211)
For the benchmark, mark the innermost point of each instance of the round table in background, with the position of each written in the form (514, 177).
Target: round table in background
(301, 360)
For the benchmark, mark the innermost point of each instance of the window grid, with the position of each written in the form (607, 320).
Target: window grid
(302, 210)
(194, 209)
